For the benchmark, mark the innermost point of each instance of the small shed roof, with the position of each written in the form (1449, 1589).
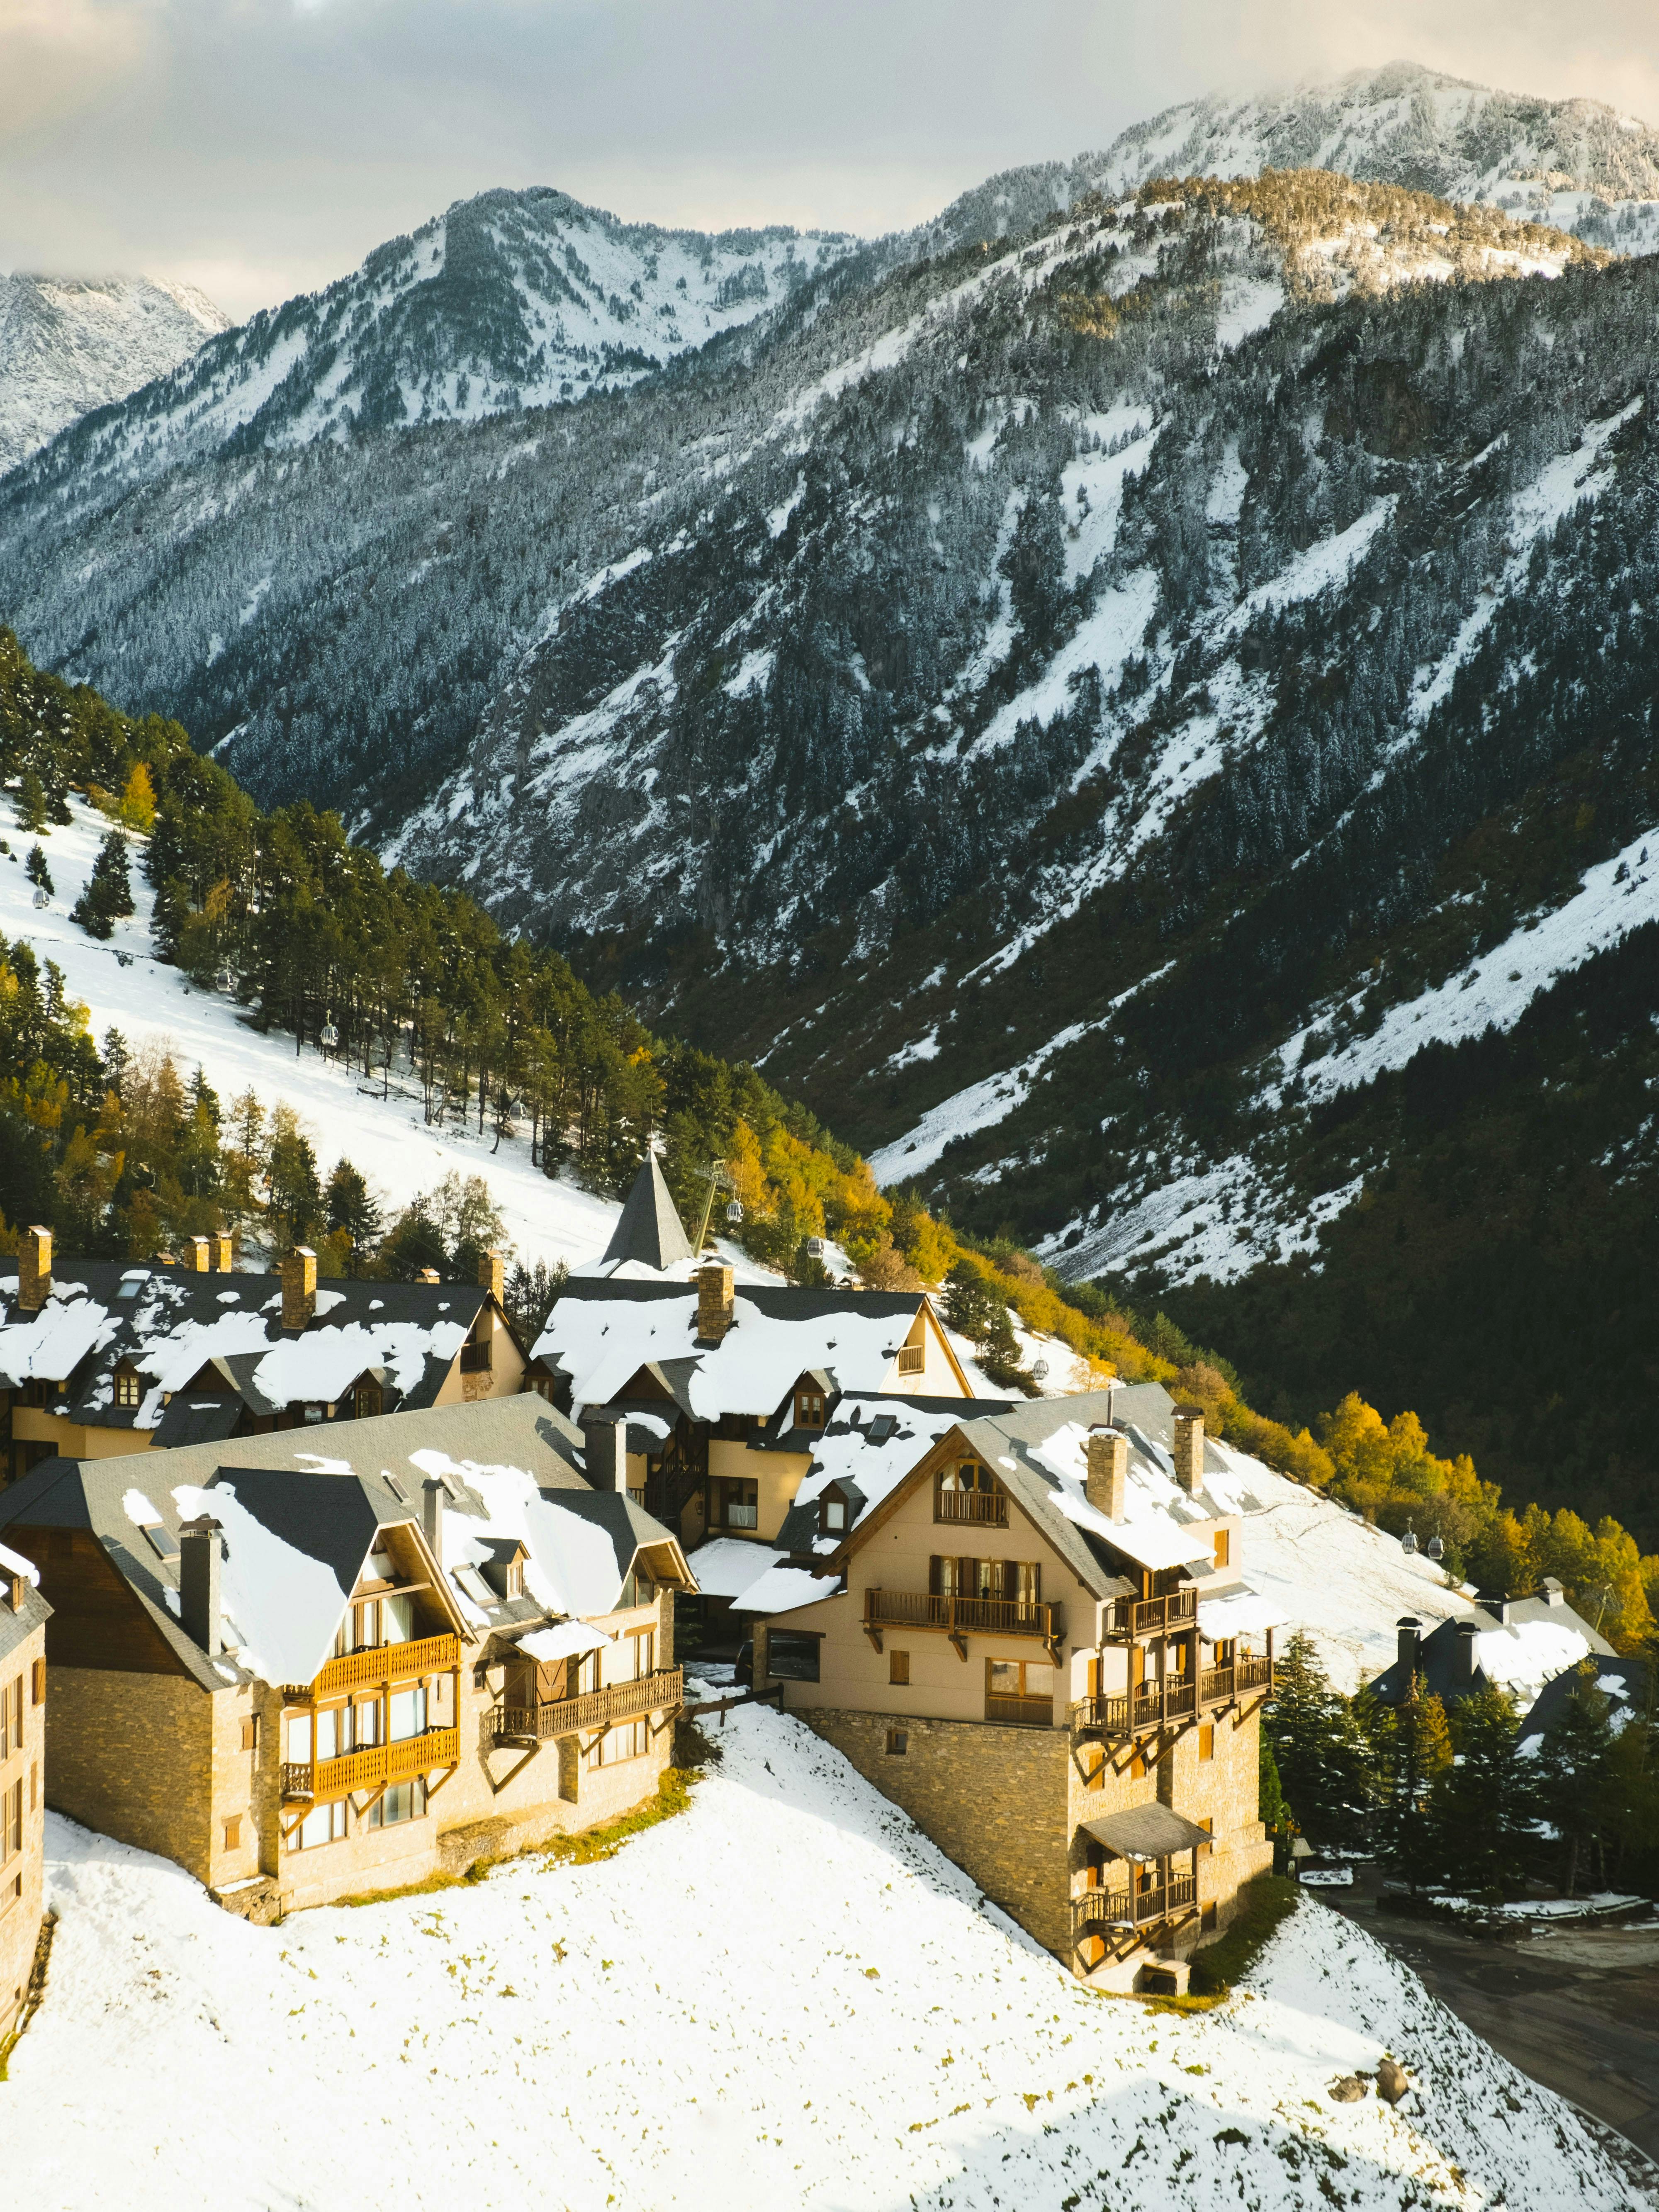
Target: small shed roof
(1147, 1831)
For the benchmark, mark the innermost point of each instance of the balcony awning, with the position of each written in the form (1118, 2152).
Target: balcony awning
(1147, 1831)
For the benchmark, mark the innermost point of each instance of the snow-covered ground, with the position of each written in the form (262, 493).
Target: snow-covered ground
(786, 1997)
(388, 1140)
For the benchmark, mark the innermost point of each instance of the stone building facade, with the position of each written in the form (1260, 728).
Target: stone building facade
(23, 1616)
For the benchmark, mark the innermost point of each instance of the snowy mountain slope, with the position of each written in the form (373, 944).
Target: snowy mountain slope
(1575, 163)
(69, 344)
(876, 2034)
(507, 301)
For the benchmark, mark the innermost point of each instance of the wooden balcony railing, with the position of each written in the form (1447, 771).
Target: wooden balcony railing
(1151, 1616)
(1020, 1712)
(366, 1770)
(1177, 1699)
(963, 1616)
(1133, 1908)
(987, 1507)
(381, 1664)
(596, 1709)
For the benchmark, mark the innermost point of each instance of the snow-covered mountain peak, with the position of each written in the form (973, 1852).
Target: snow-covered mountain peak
(71, 344)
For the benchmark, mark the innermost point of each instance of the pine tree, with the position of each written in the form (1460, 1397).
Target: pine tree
(30, 804)
(36, 870)
(1318, 1748)
(1573, 1791)
(108, 893)
(349, 1205)
(1415, 1750)
(1479, 1803)
(531, 1293)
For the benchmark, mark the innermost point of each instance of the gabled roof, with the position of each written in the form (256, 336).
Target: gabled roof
(601, 1333)
(650, 1232)
(17, 1627)
(170, 1323)
(1521, 1654)
(1625, 1682)
(870, 1445)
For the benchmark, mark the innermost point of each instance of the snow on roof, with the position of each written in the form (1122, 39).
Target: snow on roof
(784, 1589)
(571, 1567)
(1244, 1613)
(139, 1510)
(50, 1345)
(874, 1444)
(602, 1343)
(730, 1564)
(322, 1364)
(570, 1639)
(1151, 1532)
(1523, 1655)
(12, 1563)
(284, 1605)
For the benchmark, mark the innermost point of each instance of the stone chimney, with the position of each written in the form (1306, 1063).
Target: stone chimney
(1106, 1485)
(1463, 1655)
(299, 1287)
(200, 1261)
(33, 1269)
(1553, 1593)
(492, 1276)
(715, 1301)
(198, 1582)
(606, 1441)
(1409, 1631)
(1189, 1448)
(428, 1275)
(223, 1259)
(16, 1587)
(434, 1490)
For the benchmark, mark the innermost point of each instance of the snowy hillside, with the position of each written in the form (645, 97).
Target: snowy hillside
(507, 301)
(1575, 163)
(784, 1997)
(69, 344)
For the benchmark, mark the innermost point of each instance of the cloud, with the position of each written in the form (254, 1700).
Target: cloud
(273, 143)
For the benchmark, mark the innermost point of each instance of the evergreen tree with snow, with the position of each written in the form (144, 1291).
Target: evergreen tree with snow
(37, 872)
(30, 804)
(108, 896)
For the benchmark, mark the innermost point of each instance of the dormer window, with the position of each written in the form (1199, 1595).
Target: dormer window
(128, 1389)
(808, 1406)
(833, 1515)
(515, 1578)
(366, 1399)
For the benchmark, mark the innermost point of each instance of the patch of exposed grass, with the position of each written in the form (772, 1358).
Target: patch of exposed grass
(33, 1995)
(1220, 1965)
(673, 1795)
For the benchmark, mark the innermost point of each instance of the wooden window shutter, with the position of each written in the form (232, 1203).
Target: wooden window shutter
(38, 1679)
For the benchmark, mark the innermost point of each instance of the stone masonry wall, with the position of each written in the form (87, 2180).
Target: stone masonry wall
(994, 1799)
(21, 1911)
(131, 1756)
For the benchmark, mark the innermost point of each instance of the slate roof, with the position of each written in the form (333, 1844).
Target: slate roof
(650, 1232)
(1625, 1682)
(169, 1324)
(1152, 1830)
(1520, 1648)
(511, 1467)
(601, 1333)
(17, 1628)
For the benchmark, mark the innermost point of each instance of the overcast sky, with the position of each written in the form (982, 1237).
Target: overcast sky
(258, 147)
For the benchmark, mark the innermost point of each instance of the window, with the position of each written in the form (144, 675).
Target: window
(1224, 1547)
(793, 1655)
(644, 1652)
(408, 1713)
(12, 1894)
(1021, 1690)
(738, 1505)
(912, 1358)
(833, 1520)
(898, 1666)
(126, 1385)
(1208, 1827)
(1016, 1581)
(366, 1399)
(631, 1740)
(1206, 1739)
(233, 1833)
(515, 1578)
(296, 1729)
(397, 1619)
(326, 1824)
(404, 1801)
(251, 1734)
(1137, 1764)
(34, 1784)
(11, 1717)
(809, 1408)
(898, 1742)
(1207, 1918)
(11, 1822)
(366, 1719)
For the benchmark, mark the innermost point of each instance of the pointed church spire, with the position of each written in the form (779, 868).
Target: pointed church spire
(650, 1230)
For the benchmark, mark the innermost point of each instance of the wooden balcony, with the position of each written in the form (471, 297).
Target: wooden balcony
(960, 1617)
(1127, 1617)
(1020, 1712)
(1133, 1908)
(1178, 1697)
(381, 1763)
(381, 1664)
(988, 1507)
(598, 1709)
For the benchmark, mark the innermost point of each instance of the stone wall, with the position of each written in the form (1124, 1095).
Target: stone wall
(131, 1755)
(994, 1799)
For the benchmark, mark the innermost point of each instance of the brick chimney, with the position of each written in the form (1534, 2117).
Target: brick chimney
(198, 1582)
(1189, 1448)
(200, 1261)
(33, 1269)
(1408, 1638)
(299, 1287)
(715, 1301)
(492, 1276)
(606, 1441)
(222, 1253)
(1106, 1485)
